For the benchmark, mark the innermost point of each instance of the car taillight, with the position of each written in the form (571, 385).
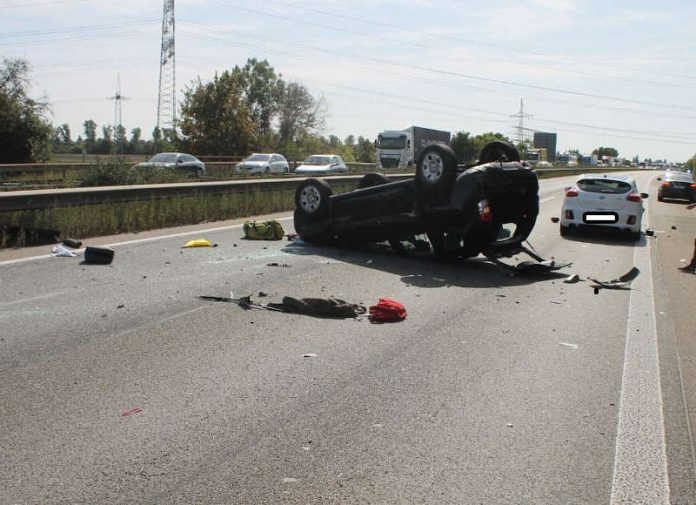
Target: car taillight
(693, 186)
(485, 211)
(634, 197)
(571, 192)
(666, 184)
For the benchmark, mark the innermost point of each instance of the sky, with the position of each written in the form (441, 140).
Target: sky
(619, 74)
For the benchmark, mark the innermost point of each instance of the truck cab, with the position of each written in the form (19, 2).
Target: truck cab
(394, 149)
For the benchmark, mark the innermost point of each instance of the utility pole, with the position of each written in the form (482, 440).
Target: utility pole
(166, 102)
(118, 119)
(520, 129)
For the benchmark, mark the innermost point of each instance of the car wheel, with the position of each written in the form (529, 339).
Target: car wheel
(372, 179)
(565, 230)
(499, 151)
(267, 170)
(312, 198)
(436, 167)
(659, 198)
(314, 231)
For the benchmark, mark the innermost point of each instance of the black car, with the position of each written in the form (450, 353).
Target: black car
(489, 208)
(679, 185)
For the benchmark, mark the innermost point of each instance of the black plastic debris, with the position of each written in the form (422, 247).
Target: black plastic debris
(674, 227)
(99, 255)
(650, 232)
(555, 220)
(623, 282)
(530, 267)
(71, 242)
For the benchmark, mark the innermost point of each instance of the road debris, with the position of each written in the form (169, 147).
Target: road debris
(309, 355)
(387, 311)
(263, 230)
(649, 232)
(199, 242)
(555, 220)
(72, 243)
(674, 227)
(530, 267)
(623, 282)
(99, 255)
(565, 344)
(283, 265)
(62, 252)
(333, 308)
(572, 279)
(130, 412)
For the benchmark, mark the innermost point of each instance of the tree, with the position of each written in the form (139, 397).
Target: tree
(261, 90)
(215, 119)
(691, 164)
(606, 151)
(365, 151)
(299, 113)
(463, 146)
(90, 128)
(25, 134)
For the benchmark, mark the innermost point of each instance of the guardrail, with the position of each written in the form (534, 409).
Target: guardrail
(53, 198)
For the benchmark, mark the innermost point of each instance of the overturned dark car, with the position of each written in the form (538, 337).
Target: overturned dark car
(490, 207)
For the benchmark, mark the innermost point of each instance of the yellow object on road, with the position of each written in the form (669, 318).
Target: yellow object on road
(199, 242)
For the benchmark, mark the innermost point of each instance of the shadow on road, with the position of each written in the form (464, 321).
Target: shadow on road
(424, 269)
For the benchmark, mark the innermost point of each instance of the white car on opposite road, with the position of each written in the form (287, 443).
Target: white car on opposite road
(603, 201)
(259, 163)
(322, 164)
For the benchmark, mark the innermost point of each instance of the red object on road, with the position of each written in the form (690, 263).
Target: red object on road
(132, 411)
(387, 311)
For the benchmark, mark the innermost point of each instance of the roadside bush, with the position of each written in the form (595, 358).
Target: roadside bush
(114, 172)
(120, 172)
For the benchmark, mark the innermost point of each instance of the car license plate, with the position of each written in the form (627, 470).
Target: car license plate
(600, 217)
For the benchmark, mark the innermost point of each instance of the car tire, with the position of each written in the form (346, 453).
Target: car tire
(311, 230)
(312, 198)
(267, 170)
(660, 197)
(372, 179)
(565, 230)
(498, 151)
(436, 168)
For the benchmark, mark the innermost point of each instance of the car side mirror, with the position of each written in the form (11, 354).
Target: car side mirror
(644, 195)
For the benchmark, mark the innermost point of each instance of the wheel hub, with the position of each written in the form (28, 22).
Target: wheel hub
(310, 198)
(432, 168)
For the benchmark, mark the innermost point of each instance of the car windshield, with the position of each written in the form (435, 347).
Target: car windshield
(259, 157)
(164, 158)
(679, 177)
(392, 142)
(604, 186)
(318, 160)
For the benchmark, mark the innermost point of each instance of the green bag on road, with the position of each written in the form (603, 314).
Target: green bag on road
(263, 230)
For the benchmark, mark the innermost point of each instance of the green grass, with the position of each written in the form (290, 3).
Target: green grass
(109, 219)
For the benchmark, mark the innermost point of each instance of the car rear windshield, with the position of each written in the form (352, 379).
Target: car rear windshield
(604, 186)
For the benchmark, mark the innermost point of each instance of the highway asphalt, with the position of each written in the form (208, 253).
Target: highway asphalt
(119, 385)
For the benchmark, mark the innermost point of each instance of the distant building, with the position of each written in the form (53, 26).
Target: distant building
(545, 140)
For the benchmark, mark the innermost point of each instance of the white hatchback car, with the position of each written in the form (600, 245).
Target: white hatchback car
(259, 163)
(603, 201)
(322, 164)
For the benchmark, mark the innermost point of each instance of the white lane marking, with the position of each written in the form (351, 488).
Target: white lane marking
(142, 240)
(640, 461)
(547, 199)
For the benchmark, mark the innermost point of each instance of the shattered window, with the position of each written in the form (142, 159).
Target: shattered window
(604, 186)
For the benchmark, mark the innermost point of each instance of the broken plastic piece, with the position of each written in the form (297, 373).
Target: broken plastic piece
(99, 255)
(71, 242)
(649, 232)
(622, 282)
(572, 279)
(572, 346)
(555, 219)
(132, 411)
(199, 242)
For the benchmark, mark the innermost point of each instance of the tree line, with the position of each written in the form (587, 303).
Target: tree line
(242, 110)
